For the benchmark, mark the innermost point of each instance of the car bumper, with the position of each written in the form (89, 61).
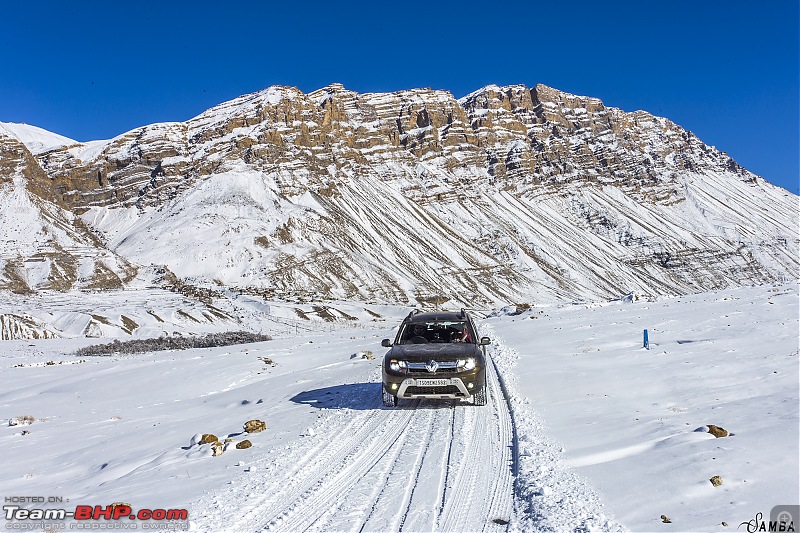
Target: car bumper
(463, 386)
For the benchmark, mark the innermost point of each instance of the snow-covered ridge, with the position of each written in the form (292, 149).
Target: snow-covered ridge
(37, 140)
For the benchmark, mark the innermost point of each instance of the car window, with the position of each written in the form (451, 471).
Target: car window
(438, 331)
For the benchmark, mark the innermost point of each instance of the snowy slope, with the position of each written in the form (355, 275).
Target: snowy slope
(152, 307)
(42, 245)
(372, 241)
(36, 139)
(585, 429)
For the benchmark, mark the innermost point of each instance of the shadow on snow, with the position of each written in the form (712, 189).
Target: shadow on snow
(362, 397)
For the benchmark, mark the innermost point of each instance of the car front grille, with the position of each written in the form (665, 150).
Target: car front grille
(443, 367)
(449, 389)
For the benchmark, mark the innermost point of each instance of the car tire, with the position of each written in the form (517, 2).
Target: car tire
(388, 399)
(480, 397)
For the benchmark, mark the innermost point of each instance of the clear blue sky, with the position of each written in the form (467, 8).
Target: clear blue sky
(725, 69)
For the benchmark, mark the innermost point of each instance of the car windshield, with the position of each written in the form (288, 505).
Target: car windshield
(438, 331)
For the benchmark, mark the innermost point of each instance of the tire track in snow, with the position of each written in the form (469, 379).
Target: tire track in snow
(481, 490)
(397, 483)
(503, 456)
(458, 499)
(424, 466)
(339, 496)
(428, 479)
(330, 472)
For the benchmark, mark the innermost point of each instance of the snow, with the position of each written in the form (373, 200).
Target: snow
(224, 206)
(90, 150)
(606, 434)
(634, 421)
(36, 139)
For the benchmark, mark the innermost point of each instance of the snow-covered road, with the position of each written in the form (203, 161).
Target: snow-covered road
(424, 466)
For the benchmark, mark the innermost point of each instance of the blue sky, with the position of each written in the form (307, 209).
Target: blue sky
(726, 70)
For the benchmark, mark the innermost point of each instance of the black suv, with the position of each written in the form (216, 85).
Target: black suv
(435, 355)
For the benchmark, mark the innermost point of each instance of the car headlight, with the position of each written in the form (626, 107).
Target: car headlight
(398, 366)
(466, 364)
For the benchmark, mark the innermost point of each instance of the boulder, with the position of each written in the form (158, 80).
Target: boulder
(255, 426)
(208, 438)
(717, 431)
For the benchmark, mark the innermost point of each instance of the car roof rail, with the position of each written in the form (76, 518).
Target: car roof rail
(483, 313)
(412, 313)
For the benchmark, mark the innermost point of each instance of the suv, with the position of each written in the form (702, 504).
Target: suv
(435, 355)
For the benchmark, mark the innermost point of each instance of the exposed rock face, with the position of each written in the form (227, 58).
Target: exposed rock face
(14, 326)
(512, 137)
(507, 194)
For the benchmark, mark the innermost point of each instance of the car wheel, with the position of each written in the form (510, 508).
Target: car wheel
(480, 396)
(388, 399)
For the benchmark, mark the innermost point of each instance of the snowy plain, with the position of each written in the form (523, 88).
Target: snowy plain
(585, 428)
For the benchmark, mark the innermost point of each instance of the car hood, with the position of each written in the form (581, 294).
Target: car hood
(439, 351)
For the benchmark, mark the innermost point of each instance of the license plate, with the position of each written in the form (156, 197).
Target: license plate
(433, 382)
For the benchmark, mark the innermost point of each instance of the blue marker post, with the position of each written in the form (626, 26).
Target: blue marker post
(646, 340)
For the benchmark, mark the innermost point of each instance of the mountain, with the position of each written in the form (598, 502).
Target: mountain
(507, 194)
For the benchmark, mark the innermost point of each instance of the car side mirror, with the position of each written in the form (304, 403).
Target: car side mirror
(386, 343)
(485, 341)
